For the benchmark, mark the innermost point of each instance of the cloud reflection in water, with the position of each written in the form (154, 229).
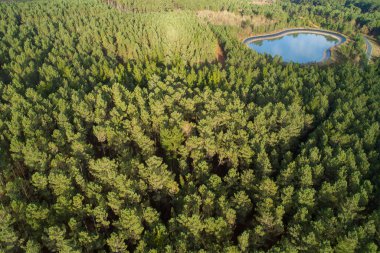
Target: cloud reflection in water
(300, 48)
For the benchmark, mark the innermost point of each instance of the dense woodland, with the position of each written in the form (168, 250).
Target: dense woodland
(347, 16)
(121, 130)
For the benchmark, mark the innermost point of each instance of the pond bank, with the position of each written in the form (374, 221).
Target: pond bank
(280, 34)
(340, 37)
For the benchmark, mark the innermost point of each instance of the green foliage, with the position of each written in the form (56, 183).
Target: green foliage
(172, 139)
(119, 132)
(164, 5)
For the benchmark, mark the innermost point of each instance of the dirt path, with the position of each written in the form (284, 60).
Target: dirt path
(220, 54)
(369, 48)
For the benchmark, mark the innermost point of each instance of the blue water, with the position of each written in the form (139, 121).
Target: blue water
(299, 48)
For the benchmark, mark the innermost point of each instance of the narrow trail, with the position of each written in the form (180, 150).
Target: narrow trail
(220, 54)
(369, 48)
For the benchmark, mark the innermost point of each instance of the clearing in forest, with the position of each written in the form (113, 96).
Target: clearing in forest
(262, 2)
(375, 47)
(232, 19)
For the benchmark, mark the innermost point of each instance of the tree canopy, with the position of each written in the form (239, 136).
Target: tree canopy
(122, 131)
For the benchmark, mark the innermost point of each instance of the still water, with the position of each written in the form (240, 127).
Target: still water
(299, 47)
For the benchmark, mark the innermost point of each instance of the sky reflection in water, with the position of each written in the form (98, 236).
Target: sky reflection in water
(299, 48)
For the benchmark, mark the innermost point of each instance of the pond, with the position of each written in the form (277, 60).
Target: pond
(297, 46)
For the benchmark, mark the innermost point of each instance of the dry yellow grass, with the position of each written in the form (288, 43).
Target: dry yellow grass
(232, 19)
(221, 17)
(262, 2)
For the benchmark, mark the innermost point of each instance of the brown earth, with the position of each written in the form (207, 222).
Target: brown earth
(220, 54)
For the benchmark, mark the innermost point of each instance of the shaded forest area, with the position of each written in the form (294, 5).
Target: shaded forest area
(121, 132)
